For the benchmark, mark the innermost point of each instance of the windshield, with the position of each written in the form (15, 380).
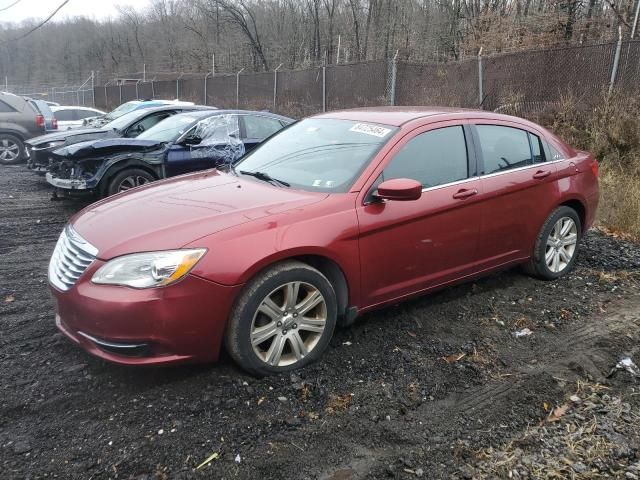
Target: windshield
(168, 129)
(318, 154)
(121, 110)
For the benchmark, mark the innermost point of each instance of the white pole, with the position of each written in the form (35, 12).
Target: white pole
(144, 72)
(338, 54)
(213, 64)
(635, 20)
(238, 88)
(616, 61)
(275, 85)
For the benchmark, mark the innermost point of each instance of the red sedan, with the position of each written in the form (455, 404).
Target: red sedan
(335, 215)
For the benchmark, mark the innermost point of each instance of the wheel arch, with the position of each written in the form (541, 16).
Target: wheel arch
(16, 133)
(326, 265)
(114, 168)
(579, 207)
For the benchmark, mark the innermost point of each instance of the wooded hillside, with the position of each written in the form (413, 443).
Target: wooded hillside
(182, 35)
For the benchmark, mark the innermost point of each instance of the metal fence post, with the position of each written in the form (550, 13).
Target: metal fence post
(137, 95)
(275, 85)
(93, 89)
(178, 86)
(480, 80)
(120, 93)
(205, 87)
(324, 88)
(238, 88)
(153, 91)
(616, 61)
(394, 76)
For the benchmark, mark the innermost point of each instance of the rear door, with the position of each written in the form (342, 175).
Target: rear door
(519, 189)
(410, 246)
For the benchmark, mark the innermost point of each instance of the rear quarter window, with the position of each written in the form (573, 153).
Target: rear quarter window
(5, 107)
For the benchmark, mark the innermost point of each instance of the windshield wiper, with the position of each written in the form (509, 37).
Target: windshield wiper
(265, 177)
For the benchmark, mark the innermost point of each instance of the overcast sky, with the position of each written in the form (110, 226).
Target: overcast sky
(38, 9)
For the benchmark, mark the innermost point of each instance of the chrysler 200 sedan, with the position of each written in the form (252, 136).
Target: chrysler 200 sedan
(333, 216)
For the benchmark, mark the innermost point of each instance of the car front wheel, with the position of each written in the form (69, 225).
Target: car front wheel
(557, 244)
(283, 320)
(127, 179)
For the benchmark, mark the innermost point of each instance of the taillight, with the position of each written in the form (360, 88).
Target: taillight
(39, 121)
(54, 123)
(595, 168)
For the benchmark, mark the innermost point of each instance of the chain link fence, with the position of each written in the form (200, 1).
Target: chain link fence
(523, 83)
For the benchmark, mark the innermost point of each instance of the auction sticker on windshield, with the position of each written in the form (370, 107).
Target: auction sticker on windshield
(375, 130)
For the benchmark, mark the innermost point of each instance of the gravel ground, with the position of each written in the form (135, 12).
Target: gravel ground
(438, 387)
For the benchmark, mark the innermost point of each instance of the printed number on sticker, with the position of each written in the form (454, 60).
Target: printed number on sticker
(367, 129)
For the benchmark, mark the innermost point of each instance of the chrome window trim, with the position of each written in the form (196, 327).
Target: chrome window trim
(535, 165)
(450, 184)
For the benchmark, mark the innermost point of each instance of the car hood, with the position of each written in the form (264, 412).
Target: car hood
(108, 146)
(76, 135)
(173, 213)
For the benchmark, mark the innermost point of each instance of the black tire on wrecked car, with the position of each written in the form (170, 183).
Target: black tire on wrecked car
(11, 149)
(127, 179)
(557, 244)
(283, 320)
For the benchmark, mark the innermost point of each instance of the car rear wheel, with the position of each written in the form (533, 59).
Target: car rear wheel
(127, 179)
(557, 244)
(11, 149)
(283, 320)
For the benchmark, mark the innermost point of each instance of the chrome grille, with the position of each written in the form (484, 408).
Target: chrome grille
(71, 257)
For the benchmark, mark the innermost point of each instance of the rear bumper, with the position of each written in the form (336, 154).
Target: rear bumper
(181, 323)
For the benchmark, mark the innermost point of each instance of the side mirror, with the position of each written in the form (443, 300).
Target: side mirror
(401, 189)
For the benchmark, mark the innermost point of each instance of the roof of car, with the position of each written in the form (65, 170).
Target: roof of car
(210, 111)
(397, 116)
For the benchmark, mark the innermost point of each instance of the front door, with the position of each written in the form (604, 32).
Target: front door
(212, 142)
(406, 247)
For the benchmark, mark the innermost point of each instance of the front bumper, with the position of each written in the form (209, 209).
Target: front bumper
(181, 323)
(67, 183)
(37, 158)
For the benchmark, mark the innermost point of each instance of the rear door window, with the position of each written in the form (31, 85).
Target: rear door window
(81, 114)
(433, 158)
(64, 115)
(257, 126)
(504, 148)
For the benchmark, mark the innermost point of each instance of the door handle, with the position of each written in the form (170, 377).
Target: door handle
(541, 174)
(465, 193)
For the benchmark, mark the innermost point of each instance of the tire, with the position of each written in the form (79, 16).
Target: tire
(552, 247)
(11, 149)
(294, 333)
(119, 182)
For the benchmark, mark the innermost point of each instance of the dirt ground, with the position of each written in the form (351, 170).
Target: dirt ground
(439, 387)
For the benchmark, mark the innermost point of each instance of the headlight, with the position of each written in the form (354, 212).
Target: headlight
(55, 144)
(145, 270)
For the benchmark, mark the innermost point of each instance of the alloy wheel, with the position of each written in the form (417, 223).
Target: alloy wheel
(288, 324)
(561, 244)
(131, 182)
(9, 150)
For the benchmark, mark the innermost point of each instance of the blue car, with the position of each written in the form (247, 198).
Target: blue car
(183, 143)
